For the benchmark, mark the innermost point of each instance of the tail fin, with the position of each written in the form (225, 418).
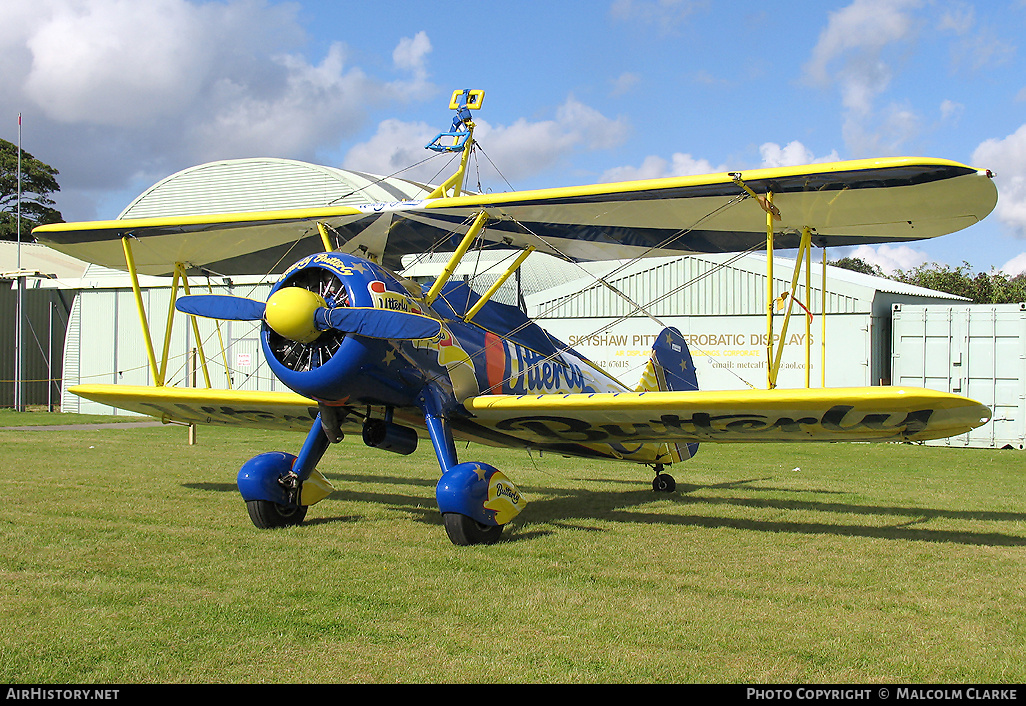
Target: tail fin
(670, 367)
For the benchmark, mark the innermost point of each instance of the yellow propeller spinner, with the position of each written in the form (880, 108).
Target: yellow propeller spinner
(290, 313)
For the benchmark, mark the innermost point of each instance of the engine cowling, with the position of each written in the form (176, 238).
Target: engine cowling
(330, 365)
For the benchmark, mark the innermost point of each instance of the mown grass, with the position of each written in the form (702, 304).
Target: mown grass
(127, 557)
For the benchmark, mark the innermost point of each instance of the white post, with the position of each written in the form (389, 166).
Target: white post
(49, 358)
(192, 383)
(19, 402)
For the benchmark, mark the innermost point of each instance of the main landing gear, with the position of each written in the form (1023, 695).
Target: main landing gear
(268, 515)
(475, 499)
(464, 530)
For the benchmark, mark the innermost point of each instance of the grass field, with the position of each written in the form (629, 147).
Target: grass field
(127, 556)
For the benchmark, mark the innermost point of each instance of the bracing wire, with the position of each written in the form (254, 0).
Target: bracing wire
(603, 281)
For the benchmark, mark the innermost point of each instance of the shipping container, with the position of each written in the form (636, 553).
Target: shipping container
(975, 350)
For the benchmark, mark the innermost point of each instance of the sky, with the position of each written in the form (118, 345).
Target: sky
(119, 94)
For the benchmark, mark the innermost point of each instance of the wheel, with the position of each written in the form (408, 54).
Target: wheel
(464, 531)
(268, 515)
(664, 483)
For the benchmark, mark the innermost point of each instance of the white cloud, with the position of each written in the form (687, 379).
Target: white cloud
(950, 110)
(653, 167)
(850, 54)
(410, 52)
(1006, 157)
(395, 146)
(891, 258)
(121, 63)
(126, 90)
(526, 148)
(665, 14)
(682, 164)
(855, 35)
(624, 83)
(792, 154)
(958, 19)
(1015, 266)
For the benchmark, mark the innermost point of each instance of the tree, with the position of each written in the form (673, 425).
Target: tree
(981, 288)
(857, 264)
(38, 181)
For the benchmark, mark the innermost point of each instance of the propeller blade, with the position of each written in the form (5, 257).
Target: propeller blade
(378, 323)
(218, 306)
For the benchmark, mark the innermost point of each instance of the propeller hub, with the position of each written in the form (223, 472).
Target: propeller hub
(290, 313)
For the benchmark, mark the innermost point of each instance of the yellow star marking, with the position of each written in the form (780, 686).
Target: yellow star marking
(359, 267)
(480, 472)
(683, 365)
(669, 338)
(389, 357)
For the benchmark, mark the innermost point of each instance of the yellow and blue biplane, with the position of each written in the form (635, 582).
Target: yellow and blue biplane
(365, 350)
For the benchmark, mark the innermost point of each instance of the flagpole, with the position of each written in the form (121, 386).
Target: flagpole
(19, 402)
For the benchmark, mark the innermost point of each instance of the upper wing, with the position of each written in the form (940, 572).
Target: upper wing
(845, 203)
(838, 414)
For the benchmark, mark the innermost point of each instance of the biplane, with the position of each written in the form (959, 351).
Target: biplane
(365, 350)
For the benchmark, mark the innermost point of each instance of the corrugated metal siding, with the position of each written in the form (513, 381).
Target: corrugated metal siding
(263, 185)
(40, 339)
(104, 344)
(72, 359)
(688, 285)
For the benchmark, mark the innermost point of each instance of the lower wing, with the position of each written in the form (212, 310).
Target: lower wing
(839, 414)
(274, 410)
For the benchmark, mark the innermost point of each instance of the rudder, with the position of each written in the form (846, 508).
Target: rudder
(671, 368)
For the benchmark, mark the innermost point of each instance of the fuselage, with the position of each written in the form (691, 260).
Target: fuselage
(498, 351)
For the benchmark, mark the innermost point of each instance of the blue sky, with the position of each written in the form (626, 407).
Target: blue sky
(118, 94)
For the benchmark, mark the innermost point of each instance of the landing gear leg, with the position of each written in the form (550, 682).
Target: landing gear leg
(663, 482)
(475, 499)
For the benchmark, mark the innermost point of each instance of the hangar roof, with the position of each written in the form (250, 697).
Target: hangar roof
(259, 184)
(265, 184)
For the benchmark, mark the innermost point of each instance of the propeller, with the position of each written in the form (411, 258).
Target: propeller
(302, 315)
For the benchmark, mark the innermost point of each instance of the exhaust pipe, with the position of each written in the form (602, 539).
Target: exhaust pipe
(381, 434)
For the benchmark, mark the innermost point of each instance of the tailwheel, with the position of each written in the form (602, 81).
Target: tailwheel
(663, 482)
(268, 515)
(464, 531)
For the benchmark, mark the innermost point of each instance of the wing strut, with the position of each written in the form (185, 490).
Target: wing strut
(486, 297)
(325, 240)
(159, 370)
(126, 245)
(804, 250)
(774, 353)
(454, 261)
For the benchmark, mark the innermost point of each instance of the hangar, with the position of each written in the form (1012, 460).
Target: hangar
(50, 284)
(716, 301)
